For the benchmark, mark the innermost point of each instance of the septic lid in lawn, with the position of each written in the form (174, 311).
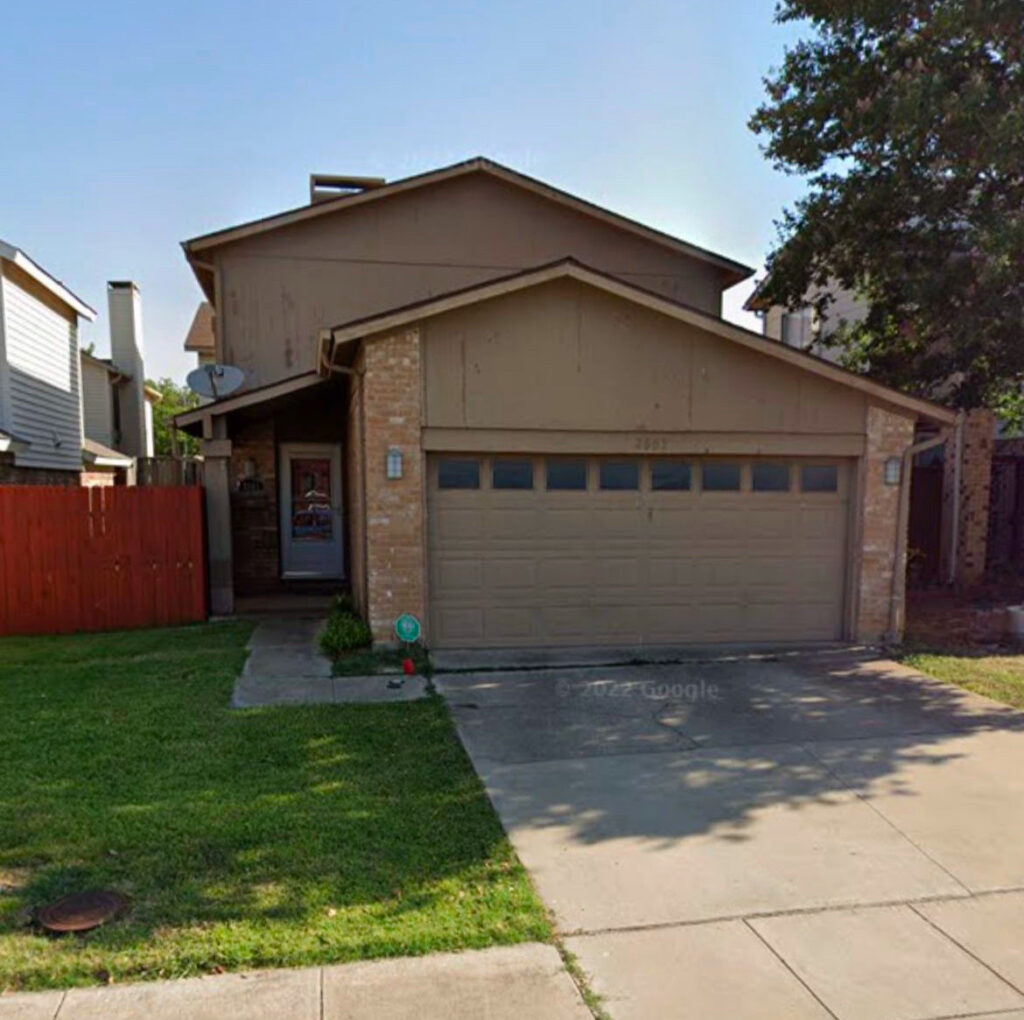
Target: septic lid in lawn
(82, 911)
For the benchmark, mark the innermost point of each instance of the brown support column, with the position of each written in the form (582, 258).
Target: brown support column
(216, 450)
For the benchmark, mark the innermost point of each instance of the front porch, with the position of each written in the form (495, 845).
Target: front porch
(277, 499)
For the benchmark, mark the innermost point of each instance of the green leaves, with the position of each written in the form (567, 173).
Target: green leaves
(908, 121)
(174, 399)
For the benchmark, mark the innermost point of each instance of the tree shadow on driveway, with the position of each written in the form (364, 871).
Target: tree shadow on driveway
(721, 788)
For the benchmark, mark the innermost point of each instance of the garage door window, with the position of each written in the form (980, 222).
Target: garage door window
(720, 476)
(766, 477)
(620, 475)
(670, 475)
(819, 478)
(512, 474)
(458, 473)
(563, 475)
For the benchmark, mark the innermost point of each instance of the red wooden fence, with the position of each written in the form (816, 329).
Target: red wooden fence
(100, 558)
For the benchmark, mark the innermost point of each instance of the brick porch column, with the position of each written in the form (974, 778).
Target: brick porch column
(392, 401)
(977, 444)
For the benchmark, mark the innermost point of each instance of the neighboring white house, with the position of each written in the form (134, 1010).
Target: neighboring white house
(66, 416)
(801, 327)
(40, 405)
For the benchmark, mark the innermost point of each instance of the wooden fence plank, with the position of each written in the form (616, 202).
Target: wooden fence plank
(100, 558)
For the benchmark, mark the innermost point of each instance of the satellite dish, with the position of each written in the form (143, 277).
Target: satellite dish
(215, 380)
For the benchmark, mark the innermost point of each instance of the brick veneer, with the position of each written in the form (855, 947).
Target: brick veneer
(888, 435)
(975, 494)
(395, 564)
(254, 508)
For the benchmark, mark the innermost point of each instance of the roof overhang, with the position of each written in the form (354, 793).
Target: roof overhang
(397, 319)
(97, 455)
(17, 257)
(757, 302)
(108, 366)
(732, 270)
(10, 443)
(249, 398)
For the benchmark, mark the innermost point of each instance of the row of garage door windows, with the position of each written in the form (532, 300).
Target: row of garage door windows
(624, 475)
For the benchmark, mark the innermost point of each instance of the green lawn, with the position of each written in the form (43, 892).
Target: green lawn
(1000, 677)
(265, 837)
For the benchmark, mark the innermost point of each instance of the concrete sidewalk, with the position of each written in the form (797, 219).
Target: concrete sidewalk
(504, 983)
(286, 667)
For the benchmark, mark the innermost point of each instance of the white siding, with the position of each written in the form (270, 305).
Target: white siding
(97, 403)
(798, 329)
(42, 365)
(149, 430)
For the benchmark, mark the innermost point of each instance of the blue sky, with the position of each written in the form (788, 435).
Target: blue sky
(129, 127)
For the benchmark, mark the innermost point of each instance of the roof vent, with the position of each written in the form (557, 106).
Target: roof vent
(324, 187)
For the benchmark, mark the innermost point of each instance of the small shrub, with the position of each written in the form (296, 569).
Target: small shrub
(344, 605)
(345, 632)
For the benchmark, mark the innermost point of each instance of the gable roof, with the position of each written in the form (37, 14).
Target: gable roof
(200, 334)
(734, 271)
(51, 283)
(397, 318)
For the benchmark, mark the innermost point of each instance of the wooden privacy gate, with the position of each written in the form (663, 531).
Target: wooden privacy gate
(100, 558)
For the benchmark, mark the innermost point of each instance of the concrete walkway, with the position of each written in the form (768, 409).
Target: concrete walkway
(286, 667)
(505, 983)
(820, 836)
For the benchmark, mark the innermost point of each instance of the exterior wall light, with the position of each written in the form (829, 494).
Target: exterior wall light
(893, 470)
(393, 465)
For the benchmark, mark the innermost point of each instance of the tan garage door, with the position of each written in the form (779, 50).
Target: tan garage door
(593, 550)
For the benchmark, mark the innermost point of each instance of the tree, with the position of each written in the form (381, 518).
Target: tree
(174, 399)
(907, 118)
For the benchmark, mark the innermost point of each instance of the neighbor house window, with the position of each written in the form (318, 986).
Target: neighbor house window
(819, 478)
(720, 476)
(620, 474)
(566, 474)
(797, 328)
(767, 477)
(458, 473)
(670, 475)
(512, 474)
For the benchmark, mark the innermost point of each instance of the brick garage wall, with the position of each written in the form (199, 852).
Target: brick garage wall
(888, 435)
(11, 474)
(254, 508)
(395, 515)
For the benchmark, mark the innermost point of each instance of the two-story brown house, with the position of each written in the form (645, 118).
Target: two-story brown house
(520, 416)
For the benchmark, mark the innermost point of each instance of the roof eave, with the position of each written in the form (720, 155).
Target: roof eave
(17, 257)
(734, 272)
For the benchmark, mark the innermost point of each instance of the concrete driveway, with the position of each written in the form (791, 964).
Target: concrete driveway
(805, 836)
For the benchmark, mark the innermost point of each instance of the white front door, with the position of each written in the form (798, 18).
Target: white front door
(311, 534)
